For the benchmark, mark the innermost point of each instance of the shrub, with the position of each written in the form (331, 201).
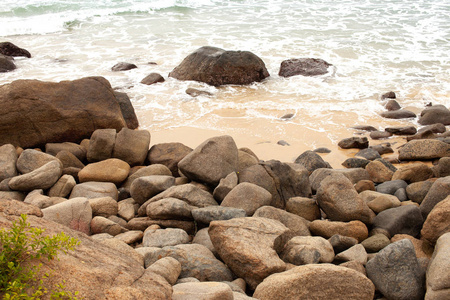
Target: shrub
(21, 247)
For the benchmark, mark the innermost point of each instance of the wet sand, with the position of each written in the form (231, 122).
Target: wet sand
(265, 148)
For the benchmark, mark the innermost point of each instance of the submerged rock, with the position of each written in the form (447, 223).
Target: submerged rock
(304, 66)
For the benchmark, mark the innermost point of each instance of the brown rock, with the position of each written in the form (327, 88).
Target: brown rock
(8, 159)
(101, 144)
(316, 282)
(53, 110)
(97, 271)
(6, 63)
(398, 114)
(435, 114)
(168, 154)
(246, 246)
(202, 291)
(132, 146)
(306, 208)
(211, 161)
(304, 67)
(247, 196)
(216, 67)
(327, 229)
(438, 279)
(378, 172)
(152, 78)
(297, 224)
(9, 49)
(424, 149)
(413, 173)
(340, 201)
(123, 66)
(437, 222)
(111, 170)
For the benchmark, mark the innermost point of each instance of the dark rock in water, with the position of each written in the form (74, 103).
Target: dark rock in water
(217, 67)
(68, 111)
(365, 128)
(369, 154)
(127, 110)
(378, 135)
(388, 95)
(304, 66)
(396, 272)
(435, 114)
(287, 116)
(322, 150)
(354, 142)
(355, 162)
(392, 105)
(9, 49)
(311, 161)
(6, 64)
(390, 187)
(383, 148)
(283, 143)
(123, 66)
(152, 78)
(408, 130)
(195, 93)
(398, 114)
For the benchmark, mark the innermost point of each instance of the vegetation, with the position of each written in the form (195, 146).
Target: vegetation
(21, 247)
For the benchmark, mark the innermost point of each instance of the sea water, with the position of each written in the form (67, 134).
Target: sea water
(375, 46)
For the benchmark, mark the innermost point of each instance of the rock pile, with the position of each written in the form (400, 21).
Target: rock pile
(215, 222)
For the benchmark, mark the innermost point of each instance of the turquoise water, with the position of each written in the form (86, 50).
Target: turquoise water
(375, 46)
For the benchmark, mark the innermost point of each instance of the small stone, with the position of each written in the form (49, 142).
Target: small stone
(375, 243)
(123, 66)
(152, 78)
(341, 243)
(398, 114)
(369, 154)
(378, 135)
(306, 208)
(195, 92)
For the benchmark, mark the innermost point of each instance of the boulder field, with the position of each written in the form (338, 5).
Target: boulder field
(165, 221)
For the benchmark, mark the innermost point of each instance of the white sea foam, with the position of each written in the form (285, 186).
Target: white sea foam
(375, 46)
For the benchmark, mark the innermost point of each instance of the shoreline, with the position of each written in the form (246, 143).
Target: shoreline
(265, 149)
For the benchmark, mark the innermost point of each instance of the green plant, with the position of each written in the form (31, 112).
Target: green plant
(20, 247)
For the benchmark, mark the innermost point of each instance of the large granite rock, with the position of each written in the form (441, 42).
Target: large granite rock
(247, 196)
(437, 222)
(56, 112)
(75, 213)
(435, 114)
(303, 66)
(216, 67)
(202, 291)
(424, 149)
(168, 154)
(211, 161)
(340, 201)
(438, 192)
(396, 272)
(42, 178)
(132, 146)
(405, 219)
(96, 271)
(246, 245)
(324, 281)
(438, 275)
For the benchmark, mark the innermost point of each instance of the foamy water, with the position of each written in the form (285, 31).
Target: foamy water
(375, 46)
